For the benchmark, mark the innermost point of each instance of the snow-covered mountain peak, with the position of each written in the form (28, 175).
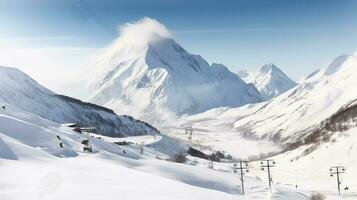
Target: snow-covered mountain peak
(335, 65)
(269, 80)
(132, 42)
(270, 68)
(166, 53)
(343, 65)
(154, 76)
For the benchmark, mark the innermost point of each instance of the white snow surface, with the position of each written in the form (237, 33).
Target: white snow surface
(152, 77)
(269, 80)
(33, 166)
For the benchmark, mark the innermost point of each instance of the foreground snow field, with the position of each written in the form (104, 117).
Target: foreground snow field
(33, 166)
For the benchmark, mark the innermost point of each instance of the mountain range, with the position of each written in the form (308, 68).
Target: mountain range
(284, 118)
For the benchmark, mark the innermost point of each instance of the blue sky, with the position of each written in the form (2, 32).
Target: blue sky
(297, 35)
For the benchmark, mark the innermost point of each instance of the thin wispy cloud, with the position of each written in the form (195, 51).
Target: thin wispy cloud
(47, 38)
(242, 30)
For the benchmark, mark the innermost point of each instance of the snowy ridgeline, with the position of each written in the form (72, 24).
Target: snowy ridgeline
(18, 89)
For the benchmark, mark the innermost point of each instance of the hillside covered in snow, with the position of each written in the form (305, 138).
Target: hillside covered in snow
(269, 80)
(147, 74)
(20, 90)
(319, 96)
(33, 165)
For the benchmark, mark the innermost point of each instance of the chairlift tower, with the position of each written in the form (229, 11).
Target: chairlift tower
(337, 170)
(243, 168)
(269, 164)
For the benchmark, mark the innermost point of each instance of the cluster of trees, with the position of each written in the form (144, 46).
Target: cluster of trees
(141, 122)
(344, 119)
(90, 105)
(115, 126)
(216, 156)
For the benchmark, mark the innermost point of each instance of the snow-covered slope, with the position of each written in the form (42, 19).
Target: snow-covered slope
(34, 166)
(269, 80)
(147, 74)
(320, 95)
(309, 168)
(18, 89)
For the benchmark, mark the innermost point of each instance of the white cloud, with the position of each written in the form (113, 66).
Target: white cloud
(143, 30)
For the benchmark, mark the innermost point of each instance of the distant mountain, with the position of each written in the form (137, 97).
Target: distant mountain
(319, 96)
(21, 91)
(269, 80)
(147, 74)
